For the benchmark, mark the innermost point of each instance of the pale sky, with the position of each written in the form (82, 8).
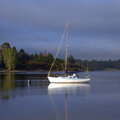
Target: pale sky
(36, 25)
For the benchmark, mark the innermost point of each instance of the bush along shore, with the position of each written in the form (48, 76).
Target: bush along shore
(13, 60)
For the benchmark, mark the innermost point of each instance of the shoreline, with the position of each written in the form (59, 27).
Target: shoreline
(17, 71)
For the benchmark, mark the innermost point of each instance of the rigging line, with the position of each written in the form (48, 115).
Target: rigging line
(86, 69)
(66, 57)
(58, 48)
(84, 66)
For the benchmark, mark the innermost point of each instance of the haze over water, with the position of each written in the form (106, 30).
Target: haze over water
(41, 100)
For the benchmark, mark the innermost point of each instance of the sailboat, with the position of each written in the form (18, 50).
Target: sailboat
(66, 78)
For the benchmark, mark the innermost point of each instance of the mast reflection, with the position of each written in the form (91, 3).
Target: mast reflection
(68, 89)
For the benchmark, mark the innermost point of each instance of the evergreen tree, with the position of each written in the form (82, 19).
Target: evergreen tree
(41, 57)
(71, 59)
(36, 57)
(49, 58)
(23, 56)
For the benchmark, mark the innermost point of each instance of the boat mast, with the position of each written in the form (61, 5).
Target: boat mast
(66, 56)
(58, 50)
(66, 108)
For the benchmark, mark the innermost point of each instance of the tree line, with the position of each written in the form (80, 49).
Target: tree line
(11, 59)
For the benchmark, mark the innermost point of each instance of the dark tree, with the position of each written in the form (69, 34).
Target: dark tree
(1, 56)
(71, 59)
(23, 56)
(41, 57)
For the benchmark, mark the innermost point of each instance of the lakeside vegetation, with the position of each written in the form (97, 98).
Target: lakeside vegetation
(11, 59)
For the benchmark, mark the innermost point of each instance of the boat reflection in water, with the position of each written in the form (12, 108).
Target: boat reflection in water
(67, 89)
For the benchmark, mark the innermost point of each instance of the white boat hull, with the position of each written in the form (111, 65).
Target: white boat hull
(68, 80)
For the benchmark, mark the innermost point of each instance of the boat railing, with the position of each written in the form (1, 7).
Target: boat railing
(63, 75)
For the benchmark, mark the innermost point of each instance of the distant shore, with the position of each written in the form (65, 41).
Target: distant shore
(16, 71)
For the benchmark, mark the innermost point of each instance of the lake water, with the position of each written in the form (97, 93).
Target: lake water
(40, 100)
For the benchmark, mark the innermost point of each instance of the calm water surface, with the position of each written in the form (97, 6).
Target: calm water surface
(40, 100)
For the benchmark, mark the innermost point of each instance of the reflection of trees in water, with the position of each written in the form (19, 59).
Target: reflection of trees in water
(1, 81)
(7, 84)
(12, 84)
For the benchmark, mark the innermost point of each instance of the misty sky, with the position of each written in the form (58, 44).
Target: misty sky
(36, 25)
